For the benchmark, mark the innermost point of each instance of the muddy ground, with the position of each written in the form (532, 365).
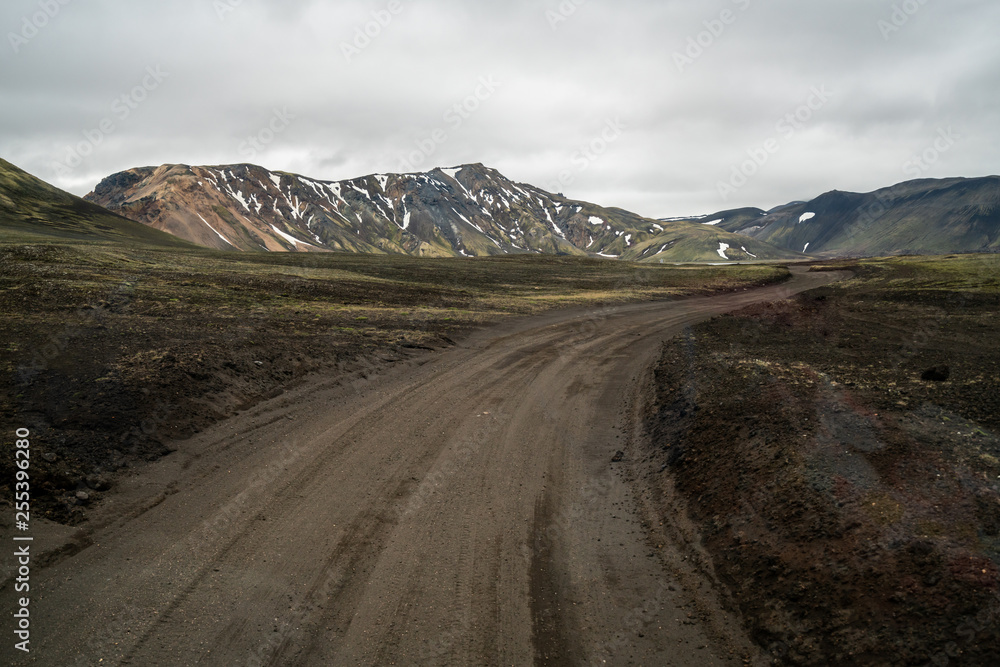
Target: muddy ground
(838, 453)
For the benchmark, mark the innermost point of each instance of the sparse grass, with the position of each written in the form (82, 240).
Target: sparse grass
(978, 274)
(211, 280)
(111, 352)
(829, 478)
(32, 211)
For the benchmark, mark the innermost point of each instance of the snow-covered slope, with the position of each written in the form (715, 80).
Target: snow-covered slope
(468, 211)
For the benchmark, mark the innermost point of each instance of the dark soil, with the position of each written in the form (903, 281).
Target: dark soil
(110, 354)
(120, 375)
(850, 506)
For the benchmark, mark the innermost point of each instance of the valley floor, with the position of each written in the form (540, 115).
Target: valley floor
(470, 506)
(112, 354)
(356, 476)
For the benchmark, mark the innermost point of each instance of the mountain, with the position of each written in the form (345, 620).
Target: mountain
(470, 210)
(727, 220)
(925, 216)
(31, 209)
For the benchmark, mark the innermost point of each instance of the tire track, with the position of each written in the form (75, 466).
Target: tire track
(308, 549)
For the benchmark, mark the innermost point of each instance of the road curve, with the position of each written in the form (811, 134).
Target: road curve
(459, 508)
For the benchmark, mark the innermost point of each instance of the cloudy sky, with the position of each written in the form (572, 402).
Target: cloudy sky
(666, 108)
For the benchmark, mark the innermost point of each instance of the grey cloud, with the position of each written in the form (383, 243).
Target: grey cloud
(366, 110)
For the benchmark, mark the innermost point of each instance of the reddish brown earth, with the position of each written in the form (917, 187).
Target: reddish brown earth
(851, 507)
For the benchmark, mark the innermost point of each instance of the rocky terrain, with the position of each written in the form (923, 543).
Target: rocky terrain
(468, 211)
(839, 453)
(457, 507)
(825, 468)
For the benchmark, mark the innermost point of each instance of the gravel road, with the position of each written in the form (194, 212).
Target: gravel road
(458, 508)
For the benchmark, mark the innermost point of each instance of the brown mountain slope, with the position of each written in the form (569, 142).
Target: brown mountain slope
(466, 211)
(31, 208)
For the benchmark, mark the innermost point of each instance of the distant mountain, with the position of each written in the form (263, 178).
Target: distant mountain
(916, 217)
(726, 220)
(470, 210)
(32, 209)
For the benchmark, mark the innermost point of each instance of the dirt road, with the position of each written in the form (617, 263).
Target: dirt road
(460, 508)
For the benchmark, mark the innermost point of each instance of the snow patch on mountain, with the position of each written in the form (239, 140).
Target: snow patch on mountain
(291, 239)
(287, 207)
(214, 230)
(468, 222)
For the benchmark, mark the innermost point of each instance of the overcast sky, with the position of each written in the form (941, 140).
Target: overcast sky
(650, 105)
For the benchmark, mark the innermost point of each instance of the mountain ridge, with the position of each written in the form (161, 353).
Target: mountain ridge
(33, 209)
(469, 210)
(922, 216)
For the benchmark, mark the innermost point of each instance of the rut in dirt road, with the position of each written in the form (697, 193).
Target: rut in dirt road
(459, 509)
